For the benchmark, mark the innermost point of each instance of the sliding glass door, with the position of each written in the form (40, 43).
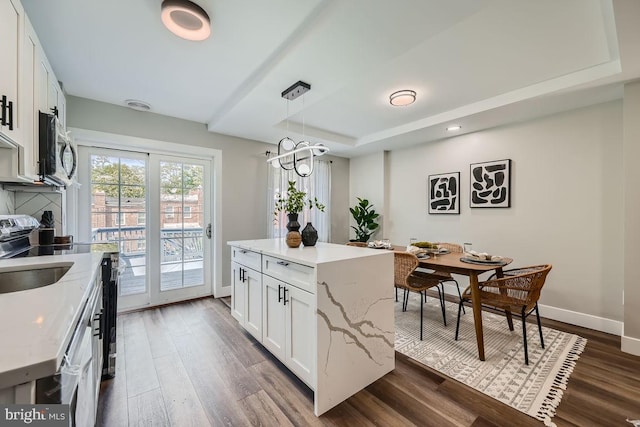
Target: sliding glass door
(156, 209)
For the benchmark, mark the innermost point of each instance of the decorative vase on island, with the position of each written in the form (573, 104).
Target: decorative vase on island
(309, 235)
(293, 238)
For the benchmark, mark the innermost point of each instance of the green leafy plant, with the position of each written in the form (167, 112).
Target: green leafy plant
(294, 201)
(365, 217)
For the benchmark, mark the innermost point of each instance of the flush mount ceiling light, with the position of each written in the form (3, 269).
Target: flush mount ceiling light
(137, 105)
(186, 19)
(454, 127)
(402, 98)
(298, 157)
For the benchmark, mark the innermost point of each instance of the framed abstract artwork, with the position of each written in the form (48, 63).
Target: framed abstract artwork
(444, 193)
(491, 184)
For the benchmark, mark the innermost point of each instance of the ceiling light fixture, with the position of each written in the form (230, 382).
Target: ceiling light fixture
(298, 157)
(454, 127)
(186, 19)
(402, 98)
(137, 105)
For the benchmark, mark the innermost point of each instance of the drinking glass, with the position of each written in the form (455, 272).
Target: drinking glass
(467, 246)
(386, 243)
(412, 240)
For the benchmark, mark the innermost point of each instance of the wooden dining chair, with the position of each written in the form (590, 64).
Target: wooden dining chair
(518, 291)
(445, 276)
(407, 278)
(358, 244)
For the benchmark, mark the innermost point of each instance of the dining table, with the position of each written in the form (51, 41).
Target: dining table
(452, 263)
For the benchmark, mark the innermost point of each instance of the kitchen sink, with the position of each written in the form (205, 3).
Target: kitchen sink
(36, 277)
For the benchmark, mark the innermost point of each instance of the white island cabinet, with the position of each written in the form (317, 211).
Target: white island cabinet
(325, 311)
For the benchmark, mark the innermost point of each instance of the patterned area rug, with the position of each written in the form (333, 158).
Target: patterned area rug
(535, 389)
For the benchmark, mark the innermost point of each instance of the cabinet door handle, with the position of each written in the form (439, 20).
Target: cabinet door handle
(243, 251)
(283, 263)
(285, 295)
(6, 112)
(280, 287)
(244, 275)
(10, 115)
(240, 274)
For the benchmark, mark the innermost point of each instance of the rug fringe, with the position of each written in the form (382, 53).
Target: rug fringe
(552, 400)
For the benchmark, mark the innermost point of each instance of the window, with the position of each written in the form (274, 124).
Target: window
(168, 212)
(318, 185)
(118, 219)
(187, 212)
(142, 218)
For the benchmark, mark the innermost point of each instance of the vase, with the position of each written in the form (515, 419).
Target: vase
(293, 239)
(293, 224)
(309, 235)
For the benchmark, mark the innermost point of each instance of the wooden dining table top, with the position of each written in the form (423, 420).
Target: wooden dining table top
(451, 262)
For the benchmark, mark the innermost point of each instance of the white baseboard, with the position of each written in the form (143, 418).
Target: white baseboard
(601, 324)
(630, 345)
(572, 317)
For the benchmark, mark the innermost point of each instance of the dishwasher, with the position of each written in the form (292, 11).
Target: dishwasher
(77, 382)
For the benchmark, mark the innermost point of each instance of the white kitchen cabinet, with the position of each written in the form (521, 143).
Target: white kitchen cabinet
(327, 312)
(28, 155)
(238, 293)
(246, 298)
(287, 326)
(300, 338)
(11, 32)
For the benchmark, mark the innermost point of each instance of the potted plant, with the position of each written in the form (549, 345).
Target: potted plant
(293, 202)
(365, 217)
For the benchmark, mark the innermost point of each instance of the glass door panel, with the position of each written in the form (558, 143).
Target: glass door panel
(182, 225)
(118, 202)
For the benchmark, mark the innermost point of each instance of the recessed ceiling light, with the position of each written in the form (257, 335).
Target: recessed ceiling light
(186, 19)
(402, 98)
(454, 127)
(137, 105)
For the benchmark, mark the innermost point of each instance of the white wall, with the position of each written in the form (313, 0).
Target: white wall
(566, 202)
(631, 335)
(367, 181)
(244, 167)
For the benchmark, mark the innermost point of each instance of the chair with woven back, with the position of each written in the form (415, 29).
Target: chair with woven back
(445, 276)
(518, 291)
(358, 244)
(407, 278)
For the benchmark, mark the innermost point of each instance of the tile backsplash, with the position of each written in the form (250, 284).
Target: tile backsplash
(35, 204)
(6, 202)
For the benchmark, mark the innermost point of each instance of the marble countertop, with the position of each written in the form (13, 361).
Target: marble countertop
(307, 255)
(36, 325)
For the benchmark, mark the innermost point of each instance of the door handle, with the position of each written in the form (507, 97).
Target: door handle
(285, 295)
(244, 275)
(208, 231)
(283, 263)
(280, 287)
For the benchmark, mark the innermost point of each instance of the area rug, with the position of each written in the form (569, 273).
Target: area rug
(535, 389)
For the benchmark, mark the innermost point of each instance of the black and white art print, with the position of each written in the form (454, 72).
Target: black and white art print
(444, 193)
(491, 184)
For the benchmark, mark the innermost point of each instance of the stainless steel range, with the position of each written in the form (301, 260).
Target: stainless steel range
(15, 243)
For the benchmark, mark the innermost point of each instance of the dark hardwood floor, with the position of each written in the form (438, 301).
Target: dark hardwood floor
(190, 364)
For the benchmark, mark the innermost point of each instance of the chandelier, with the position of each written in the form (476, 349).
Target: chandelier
(296, 156)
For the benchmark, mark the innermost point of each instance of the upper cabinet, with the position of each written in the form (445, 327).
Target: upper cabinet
(28, 85)
(11, 34)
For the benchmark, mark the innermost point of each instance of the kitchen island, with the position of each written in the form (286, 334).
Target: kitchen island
(36, 325)
(325, 311)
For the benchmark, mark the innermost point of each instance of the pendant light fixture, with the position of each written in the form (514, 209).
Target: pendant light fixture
(300, 156)
(186, 19)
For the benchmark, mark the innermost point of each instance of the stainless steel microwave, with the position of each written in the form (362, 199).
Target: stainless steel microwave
(58, 158)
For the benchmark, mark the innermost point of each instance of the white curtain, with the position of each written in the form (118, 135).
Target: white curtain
(317, 185)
